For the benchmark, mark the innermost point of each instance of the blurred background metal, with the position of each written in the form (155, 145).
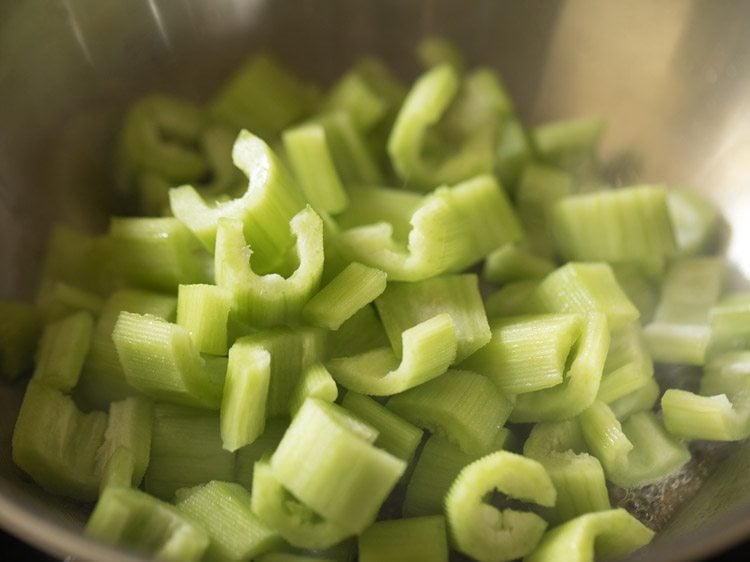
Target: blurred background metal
(672, 78)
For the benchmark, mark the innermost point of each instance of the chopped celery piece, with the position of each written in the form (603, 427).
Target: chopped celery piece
(616, 225)
(103, 379)
(19, 327)
(243, 405)
(272, 299)
(429, 348)
(628, 366)
(56, 444)
(548, 438)
(515, 150)
(133, 519)
(271, 199)
(513, 263)
(639, 288)
(730, 325)
(695, 221)
(332, 469)
(262, 447)
(362, 332)
(223, 510)
(186, 450)
(641, 399)
(296, 522)
(593, 536)
(581, 381)
(203, 310)
(263, 96)
(312, 163)
(528, 353)
(465, 407)
(511, 300)
(405, 540)
(680, 331)
(570, 144)
(118, 470)
(57, 299)
(489, 534)
(635, 453)
(160, 360)
(355, 95)
(317, 382)
(62, 350)
(354, 162)
(585, 288)
(449, 229)
(129, 428)
(404, 305)
(355, 287)
(395, 434)
(156, 253)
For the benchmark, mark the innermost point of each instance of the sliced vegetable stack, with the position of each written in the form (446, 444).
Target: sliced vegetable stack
(376, 321)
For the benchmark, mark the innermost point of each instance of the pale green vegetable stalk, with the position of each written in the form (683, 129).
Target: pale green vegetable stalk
(63, 347)
(204, 311)
(405, 540)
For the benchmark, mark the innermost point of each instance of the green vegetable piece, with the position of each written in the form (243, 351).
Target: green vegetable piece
(133, 519)
(404, 305)
(593, 536)
(585, 288)
(680, 331)
(296, 522)
(203, 310)
(243, 405)
(56, 444)
(128, 436)
(696, 221)
(639, 287)
(447, 230)
(511, 263)
(267, 300)
(581, 380)
(223, 510)
(465, 407)
(429, 348)
(395, 434)
(489, 534)
(186, 450)
(404, 540)
(160, 359)
(570, 144)
(57, 299)
(628, 366)
(262, 447)
(639, 400)
(515, 151)
(311, 161)
(62, 350)
(730, 325)
(528, 353)
(333, 469)
(627, 224)
(265, 208)
(317, 382)
(353, 94)
(434, 51)
(103, 379)
(512, 299)
(19, 327)
(362, 332)
(355, 287)
(263, 96)
(635, 453)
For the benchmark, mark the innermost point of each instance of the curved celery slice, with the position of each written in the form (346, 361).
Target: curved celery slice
(464, 406)
(448, 230)
(333, 469)
(223, 510)
(62, 350)
(405, 540)
(355, 287)
(160, 360)
(628, 366)
(315, 381)
(404, 305)
(297, 523)
(585, 288)
(581, 384)
(395, 434)
(272, 198)
(243, 405)
(635, 453)
(528, 353)
(593, 536)
(131, 518)
(627, 224)
(19, 327)
(485, 532)
(56, 443)
(429, 348)
(266, 300)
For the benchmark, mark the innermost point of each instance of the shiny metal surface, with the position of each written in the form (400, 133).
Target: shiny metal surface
(672, 78)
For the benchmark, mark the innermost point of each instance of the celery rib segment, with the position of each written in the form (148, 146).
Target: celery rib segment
(271, 299)
(589, 537)
(204, 311)
(464, 406)
(485, 532)
(429, 348)
(62, 351)
(405, 540)
(315, 381)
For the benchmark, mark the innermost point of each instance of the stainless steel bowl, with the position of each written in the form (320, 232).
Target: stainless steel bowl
(672, 78)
